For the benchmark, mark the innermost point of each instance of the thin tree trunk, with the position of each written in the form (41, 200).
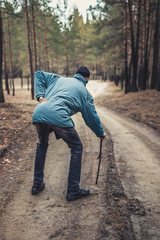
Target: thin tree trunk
(46, 45)
(67, 69)
(57, 61)
(104, 67)
(10, 55)
(137, 39)
(39, 57)
(34, 35)
(29, 51)
(134, 63)
(21, 76)
(158, 85)
(122, 77)
(28, 83)
(150, 56)
(39, 50)
(5, 63)
(1, 59)
(67, 58)
(126, 49)
(146, 58)
(154, 78)
(140, 73)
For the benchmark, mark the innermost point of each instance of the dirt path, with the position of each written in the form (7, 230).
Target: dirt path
(124, 205)
(48, 215)
(137, 151)
(137, 158)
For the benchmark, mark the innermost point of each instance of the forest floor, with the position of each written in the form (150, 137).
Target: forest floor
(124, 204)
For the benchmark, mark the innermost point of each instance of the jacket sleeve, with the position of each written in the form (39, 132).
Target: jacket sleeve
(91, 117)
(42, 80)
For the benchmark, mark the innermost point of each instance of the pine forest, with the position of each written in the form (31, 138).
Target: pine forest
(119, 42)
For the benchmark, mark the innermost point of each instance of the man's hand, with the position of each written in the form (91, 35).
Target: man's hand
(42, 100)
(103, 137)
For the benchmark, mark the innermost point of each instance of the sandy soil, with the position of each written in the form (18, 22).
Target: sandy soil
(143, 106)
(124, 205)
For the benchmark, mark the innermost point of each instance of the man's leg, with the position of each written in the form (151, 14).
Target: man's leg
(70, 136)
(43, 135)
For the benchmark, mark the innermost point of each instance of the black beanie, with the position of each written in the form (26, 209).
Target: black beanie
(83, 71)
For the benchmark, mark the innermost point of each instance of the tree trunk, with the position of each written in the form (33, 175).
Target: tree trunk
(104, 67)
(146, 55)
(29, 50)
(137, 39)
(28, 83)
(34, 36)
(67, 58)
(126, 49)
(140, 73)
(158, 86)
(57, 61)
(21, 76)
(134, 63)
(154, 78)
(1, 59)
(46, 45)
(39, 50)
(10, 55)
(5, 63)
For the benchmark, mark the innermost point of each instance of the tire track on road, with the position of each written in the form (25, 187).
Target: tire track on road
(136, 152)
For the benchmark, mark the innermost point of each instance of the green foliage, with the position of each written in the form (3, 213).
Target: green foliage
(110, 35)
(98, 43)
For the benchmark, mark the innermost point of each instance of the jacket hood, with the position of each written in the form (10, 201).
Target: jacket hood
(80, 78)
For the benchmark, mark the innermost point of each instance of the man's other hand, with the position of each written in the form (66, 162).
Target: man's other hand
(103, 137)
(42, 100)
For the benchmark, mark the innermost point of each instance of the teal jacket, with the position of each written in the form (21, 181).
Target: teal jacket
(66, 96)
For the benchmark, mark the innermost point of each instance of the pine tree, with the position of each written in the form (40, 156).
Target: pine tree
(1, 58)
(29, 50)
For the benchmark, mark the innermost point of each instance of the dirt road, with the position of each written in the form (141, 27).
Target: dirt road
(137, 152)
(124, 205)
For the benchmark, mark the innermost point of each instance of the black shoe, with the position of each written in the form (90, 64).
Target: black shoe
(36, 188)
(76, 195)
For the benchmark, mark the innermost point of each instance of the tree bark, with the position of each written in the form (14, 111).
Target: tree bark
(46, 45)
(146, 54)
(1, 59)
(29, 50)
(5, 62)
(126, 49)
(39, 50)
(154, 78)
(34, 36)
(10, 55)
(158, 86)
(137, 39)
(134, 63)
(67, 58)
(28, 83)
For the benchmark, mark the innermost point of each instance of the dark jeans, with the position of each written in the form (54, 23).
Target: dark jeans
(70, 136)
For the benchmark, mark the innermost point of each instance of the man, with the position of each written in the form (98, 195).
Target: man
(59, 99)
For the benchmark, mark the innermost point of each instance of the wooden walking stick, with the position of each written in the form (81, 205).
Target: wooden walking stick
(99, 157)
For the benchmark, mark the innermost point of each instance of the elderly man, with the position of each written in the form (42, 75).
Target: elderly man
(60, 98)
